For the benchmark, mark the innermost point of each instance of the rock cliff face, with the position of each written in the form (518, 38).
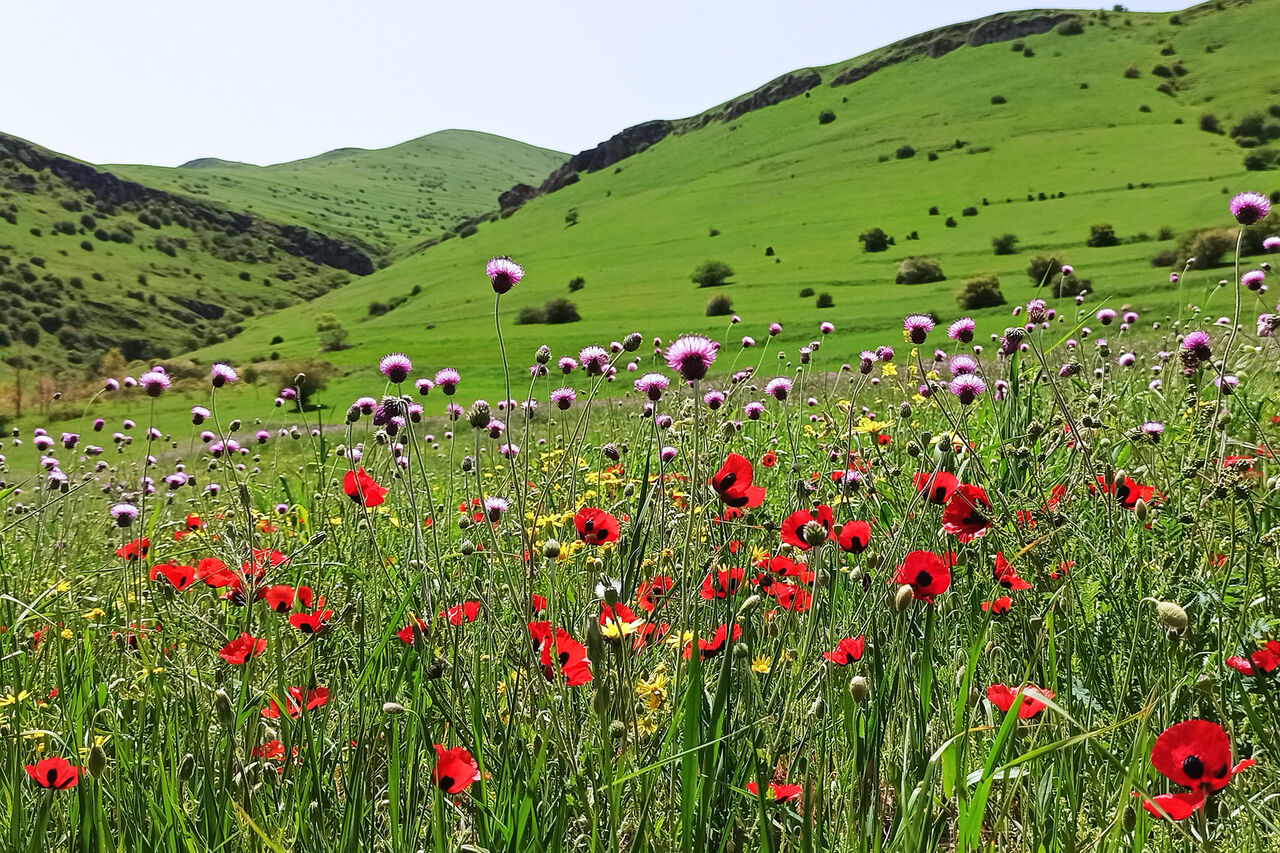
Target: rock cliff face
(631, 141)
(936, 43)
(111, 190)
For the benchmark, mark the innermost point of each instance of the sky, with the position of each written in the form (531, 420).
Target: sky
(265, 81)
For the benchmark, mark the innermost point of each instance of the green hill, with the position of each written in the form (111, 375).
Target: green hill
(385, 199)
(1058, 123)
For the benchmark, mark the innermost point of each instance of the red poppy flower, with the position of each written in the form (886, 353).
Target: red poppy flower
(296, 701)
(847, 651)
(937, 487)
(769, 459)
(1127, 493)
(455, 769)
(1178, 806)
(467, 611)
(968, 513)
(1062, 570)
(783, 567)
(362, 488)
(537, 603)
(927, 573)
(733, 483)
(654, 593)
(854, 536)
(721, 583)
(560, 650)
(241, 649)
(272, 750)
(595, 526)
(714, 646)
(616, 613)
(262, 559)
(792, 597)
(1006, 575)
(1003, 698)
(778, 793)
(314, 622)
(1196, 754)
(181, 577)
(214, 572)
(281, 597)
(999, 607)
(135, 550)
(647, 633)
(414, 629)
(883, 438)
(1264, 660)
(793, 527)
(54, 773)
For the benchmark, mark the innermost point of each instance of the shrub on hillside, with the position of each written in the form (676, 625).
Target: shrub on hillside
(806, 292)
(1209, 123)
(825, 300)
(826, 117)
(1069, 286)
(1071, 27)
(1005, 244)
(875, 240)
(969, 211)
(1039, 268)
(1260, 159)
(719, 306)
(330, 334)
(981, 292)
(711, 274)
(560, 310)
(576, 284)
(999, 99)
(529, 315)
(1208, 247)
(919, 270)
(1102, 235)
(1132, 73)
(905, 152)
(950, 222)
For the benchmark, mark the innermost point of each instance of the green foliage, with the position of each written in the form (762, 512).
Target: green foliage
(711, 274)
(330, 334)
(1101, 236)
(875, 240)
(981, 292)
(1005, 244)
(919, 270)
(719, 306)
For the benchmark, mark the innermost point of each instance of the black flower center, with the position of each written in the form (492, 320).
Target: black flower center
(446, 782)
(1193, 767)
(52, 777)
(923, 579)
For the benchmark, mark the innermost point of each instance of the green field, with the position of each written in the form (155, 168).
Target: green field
(388, 199)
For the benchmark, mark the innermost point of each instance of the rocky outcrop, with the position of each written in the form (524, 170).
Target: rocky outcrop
(774, 92)
(936, 43)
(515, 198)
(111, 190)
(631, 141)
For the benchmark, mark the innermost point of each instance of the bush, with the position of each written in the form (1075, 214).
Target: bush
(806, 292)
(719, 306)
(530, 315)
(969, 211)
(999, 99)
(875, 240)
(826, 117)
(1260, 159)
(1102, 235)
(277, 340)
(330, 334)
(1039, 268)
(1162, 71)
(86, 245)
(1167, 258)
(1208, 247)
(825, 300)
(711, 274)
(981, 292)
(905, 152)
(1209, 123)
(576, 284)
(1069, 286)
(560, 310)
(950, 222)
(919, 270)
(1005, 244)
(1132, 73)
(1071, 27)
(933, 211)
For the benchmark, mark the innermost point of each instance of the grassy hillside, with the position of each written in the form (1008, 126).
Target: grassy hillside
(387, 199)
(1056, 114)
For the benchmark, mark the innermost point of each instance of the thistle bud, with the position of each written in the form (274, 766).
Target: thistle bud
(903, 597)
(479, 415)
(813, 533)
(1172, 617)
(617, 730)
(393, 708)
(467, 464)
(551, 549)
(97, 761)
(632, 342)
(859, 689)
(222, 707)
(741, 651)
(904, 410)
(543, 355)
(467, 548)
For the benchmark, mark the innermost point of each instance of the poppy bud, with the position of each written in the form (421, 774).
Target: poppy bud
(818, 708)
(748, 605)
(97, 761)
(1130, 818)
(543, 355)
(1205, 682)
(1119, 477)
(902, 598)
(1140, 510)
(975, 696)
(467, 548)
(187, 768)
(617, 730)
(741, 651)
(393, 708)
(222, 706)
(859, 689)
(1172, 617)
(813, 533)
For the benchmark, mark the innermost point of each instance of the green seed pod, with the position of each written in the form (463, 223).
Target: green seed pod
(741, 651)
(902, 598)
(222, 707)
(187, 768)
(393, 708)
(97, 761)
(1172, 617)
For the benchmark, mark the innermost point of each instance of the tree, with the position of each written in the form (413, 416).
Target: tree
(711, 274)
(875, 240)
(1102, 235)
(1039, 268)
(919, 270)
(1005, 244)
(331, 335)
(981, 292)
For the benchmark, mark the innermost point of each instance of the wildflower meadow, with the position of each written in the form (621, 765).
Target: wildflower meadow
(678, 594)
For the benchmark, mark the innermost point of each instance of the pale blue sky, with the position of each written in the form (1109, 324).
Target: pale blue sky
(165, 81)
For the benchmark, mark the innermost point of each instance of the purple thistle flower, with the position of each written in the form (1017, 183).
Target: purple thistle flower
(1226, 384)
(447, 380)
(884, 353)
(222, 374)
(916, 328)
(668, 454)
(753, 410)
(1248, 208)
(778, 388)
(1127, 359)
(262, 436)
(1196, 345)
(199, 414)
(130, 382)
(70, 439)
(453, 411)
(826, 328)
(567, 365)
(652, 385)
(1105, 316)
(495, 427)
(775, 329)
(511, 451)
(1253, 279)
(963, 364)
(1152, 430)
(713, 399)
(396, 367)
(563, 398)
(748, 342)
(1067, 269)
(503, 273)
(1271, 244)
(1130, 317)
(424, 386)
(967, 387)
(111, 385)
(124, 514)
(962, 330)
(691, 356)
(154, 382)
(495, 507)
(594, 360)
